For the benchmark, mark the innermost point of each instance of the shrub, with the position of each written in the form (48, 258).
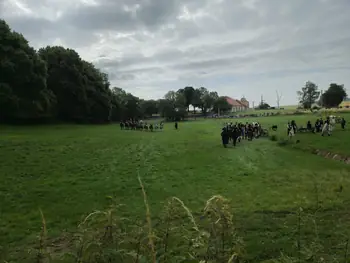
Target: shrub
(174, 235)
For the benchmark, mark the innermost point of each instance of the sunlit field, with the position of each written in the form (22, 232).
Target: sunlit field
(69, 171)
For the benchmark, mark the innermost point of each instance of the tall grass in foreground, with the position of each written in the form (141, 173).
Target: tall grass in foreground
(177, 236)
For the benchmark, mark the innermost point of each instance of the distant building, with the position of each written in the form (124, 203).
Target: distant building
(238, 105)
(345, 103)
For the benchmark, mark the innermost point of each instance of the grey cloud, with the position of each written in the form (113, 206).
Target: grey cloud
(151, 46)
(31, 26)
(124, 62)
(117, 15)
(123, 76)
(102, 17)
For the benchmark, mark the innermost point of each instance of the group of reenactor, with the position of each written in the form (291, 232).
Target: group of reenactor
(321, 126)
(237, 132)
(140, 125)
(324, 126)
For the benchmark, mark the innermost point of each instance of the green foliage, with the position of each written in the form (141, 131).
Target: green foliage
(263, 106)
(308, 95)
(149, 107)
(189, 95)
(221, 105)
(81, 90)
(333, 96)
(175, 106)
(23, 91)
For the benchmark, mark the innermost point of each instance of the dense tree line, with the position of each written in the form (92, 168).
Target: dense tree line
(331, 98)
(55, 83)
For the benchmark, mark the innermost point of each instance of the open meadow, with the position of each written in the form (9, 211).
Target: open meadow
(284, 201)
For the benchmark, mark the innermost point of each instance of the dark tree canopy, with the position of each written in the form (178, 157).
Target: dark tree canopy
(263, 106)
(308, 95)
(189, 93)
(333, 96)
(221, 105)
(23, 90)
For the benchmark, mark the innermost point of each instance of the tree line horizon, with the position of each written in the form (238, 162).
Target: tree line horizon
(55, 84)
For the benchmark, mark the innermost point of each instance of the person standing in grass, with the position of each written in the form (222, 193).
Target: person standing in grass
(176, 125)
(235, 134)
(250, 132)
(342, 123)
(225, 137)
(309, 126)
(326, 127)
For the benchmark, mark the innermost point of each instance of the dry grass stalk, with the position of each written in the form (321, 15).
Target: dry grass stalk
(188, 212)
(149, 222)
(42, 239)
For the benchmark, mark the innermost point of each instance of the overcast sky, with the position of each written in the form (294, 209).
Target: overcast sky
(235, 47)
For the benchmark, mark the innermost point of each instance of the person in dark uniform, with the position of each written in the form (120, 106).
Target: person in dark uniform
(242, 132)
(250, 132)
(235, 134)
(321, 124)
(255, 130)
(176, 125)
(318, 125)
(309, 126)
(342, 123)
(225, 137)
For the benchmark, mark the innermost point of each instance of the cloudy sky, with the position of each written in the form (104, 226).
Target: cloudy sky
(235, 47)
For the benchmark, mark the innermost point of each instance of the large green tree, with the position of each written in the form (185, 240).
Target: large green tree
(98, 93)
(209, 100)
(23, 92)
(308, 95)
(221, 105)
(198, 98)
(148, 107)
(118, 102)
(189, 93)
(82, 90)
(333, 96)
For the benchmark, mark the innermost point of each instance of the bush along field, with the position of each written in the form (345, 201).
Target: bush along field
(101, 194)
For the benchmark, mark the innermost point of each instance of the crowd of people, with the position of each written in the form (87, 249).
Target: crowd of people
(321, 126)
(140, 125)
(237, 132)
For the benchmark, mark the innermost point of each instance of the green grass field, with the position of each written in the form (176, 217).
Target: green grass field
(69, 171)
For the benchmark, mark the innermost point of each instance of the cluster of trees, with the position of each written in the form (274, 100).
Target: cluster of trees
(331, 98)
(55, 83)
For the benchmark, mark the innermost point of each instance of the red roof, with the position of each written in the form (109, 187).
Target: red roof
(233, 102)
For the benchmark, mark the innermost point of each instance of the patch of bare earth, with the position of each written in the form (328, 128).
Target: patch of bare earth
(330, 155)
